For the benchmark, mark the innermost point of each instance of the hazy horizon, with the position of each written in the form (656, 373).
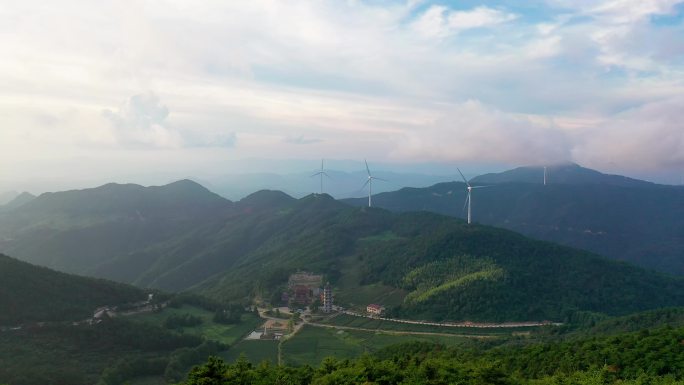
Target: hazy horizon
(95, 92)
(294, 177)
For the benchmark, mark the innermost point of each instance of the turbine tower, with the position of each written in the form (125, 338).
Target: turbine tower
(469, 199)
(321, 173)
(544, 175)
(369, 182)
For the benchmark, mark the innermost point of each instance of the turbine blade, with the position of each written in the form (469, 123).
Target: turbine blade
(462, 176)
(318, 173)
(480, 186)
(384, 180)
(367, 169)
(326, 174)
(365, 184)
(466, 203)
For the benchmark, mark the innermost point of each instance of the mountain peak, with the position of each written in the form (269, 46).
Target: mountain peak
(18, 201)
(123, 199)
(565, 173)
(321, 201)
(266, 199)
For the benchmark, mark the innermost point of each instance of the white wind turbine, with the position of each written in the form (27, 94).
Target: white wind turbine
(469, 198)
(321, 173)
(369, 182)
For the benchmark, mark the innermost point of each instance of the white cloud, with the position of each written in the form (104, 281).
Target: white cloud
(439, 21)
(643, 138)
(476, 132)
(478, 17)
(351, 74)
(141, 120)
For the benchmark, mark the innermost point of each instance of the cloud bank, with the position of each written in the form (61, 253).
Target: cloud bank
(597, 82)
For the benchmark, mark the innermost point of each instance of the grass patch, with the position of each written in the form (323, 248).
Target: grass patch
(312, 344)
(256, 351)
(208, 329)
(361, 296)
(384, 236)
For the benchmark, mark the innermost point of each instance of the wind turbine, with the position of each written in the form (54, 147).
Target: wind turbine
(369, 182)
(469, 199)
(321, 173)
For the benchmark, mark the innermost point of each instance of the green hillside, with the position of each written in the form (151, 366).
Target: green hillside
(30, 293)
(41, 344)
(448, 269)
(624, 219)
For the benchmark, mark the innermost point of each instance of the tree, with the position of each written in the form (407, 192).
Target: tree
(211, 373)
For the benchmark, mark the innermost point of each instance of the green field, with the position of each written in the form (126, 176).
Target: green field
(256, 351)
(208, 329)
(370, 323)
(312, 344)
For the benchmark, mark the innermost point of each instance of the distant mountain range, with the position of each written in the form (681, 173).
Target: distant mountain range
(615, 216)
(182, 236)
(338, 184)
(570, 173)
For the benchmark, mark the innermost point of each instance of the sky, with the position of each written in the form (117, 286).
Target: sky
(115, 90)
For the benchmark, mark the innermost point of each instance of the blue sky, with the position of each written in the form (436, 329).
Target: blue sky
(104, 88)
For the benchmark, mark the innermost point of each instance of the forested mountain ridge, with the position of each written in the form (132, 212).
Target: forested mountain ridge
(634, 221)
(437, 267)
(76, 231)
(31, 293)
(447, 269)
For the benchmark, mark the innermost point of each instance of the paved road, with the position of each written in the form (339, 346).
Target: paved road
(504, 325)
(399, 332)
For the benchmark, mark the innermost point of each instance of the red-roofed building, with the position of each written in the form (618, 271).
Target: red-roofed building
(375, 309)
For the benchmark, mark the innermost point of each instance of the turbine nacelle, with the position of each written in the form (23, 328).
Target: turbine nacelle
(321, 173)
(469, 199)
(369, 183)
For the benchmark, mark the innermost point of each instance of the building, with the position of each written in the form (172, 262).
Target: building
(303, 287)
(303, 278)
(327, 298)
(375, 309)
(302, 295)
